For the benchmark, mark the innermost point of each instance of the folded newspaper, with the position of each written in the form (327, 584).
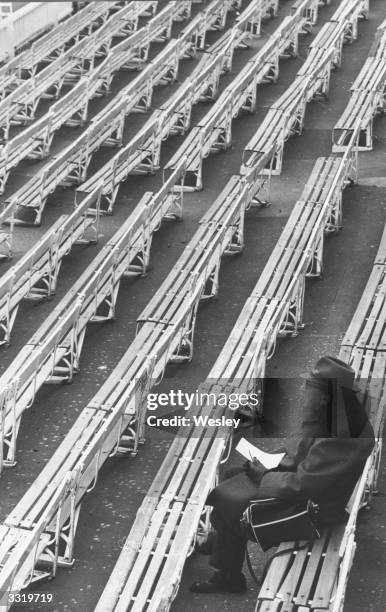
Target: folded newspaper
(249, 451)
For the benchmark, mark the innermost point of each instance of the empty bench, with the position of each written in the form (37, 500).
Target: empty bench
(53, 352)
(34, 276)
(366, 100)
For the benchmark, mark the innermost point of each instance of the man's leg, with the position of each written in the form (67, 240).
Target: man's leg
(227, 558)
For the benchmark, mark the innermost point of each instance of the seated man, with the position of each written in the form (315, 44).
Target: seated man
(323, 464)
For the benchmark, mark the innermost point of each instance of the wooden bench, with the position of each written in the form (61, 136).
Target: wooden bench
(284, 119)
(213, 17)
(53, 44)
(6, 234)
(317, 68)
(23, 545)
(315, 578)
(21, 104)
(214, 132)
(309, 10)
(97, 434)
(189, 471)
(132, 52)
(53, 352)
(35, 141)
(286, 116)
(105, 129)
(331, 37)
(148, 571)
(245, 27)
(349, 12)
(139, 156)
(220, 232)
(366, 101)
(367, 328)
(34, 276)
(149, 567)
(84, 49)
(99, 430)
(26, 206)
(379, 42)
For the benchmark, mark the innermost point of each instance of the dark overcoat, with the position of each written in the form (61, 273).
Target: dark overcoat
(326, 460)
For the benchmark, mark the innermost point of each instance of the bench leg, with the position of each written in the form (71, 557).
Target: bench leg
(184, 351)
(315, 269)
(7, 322)
(131, 431)
(144, 102)
(6, 239)
(203, 530)
(90, 233)
(294, 317)
(272, 74)
(8, 437)
(372, 480)
(108, 303)
(180, 122)
(211, 287)
(210, 94)
(334, 222)
(174, 205)
(193, 179)
(262, 191)
(59, 550)
(140, 263)
(236, 243)
(277, 161)
(4, 175)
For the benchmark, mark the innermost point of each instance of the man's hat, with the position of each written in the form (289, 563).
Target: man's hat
(335, 369)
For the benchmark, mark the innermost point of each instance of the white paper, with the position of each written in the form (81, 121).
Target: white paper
(249, 451)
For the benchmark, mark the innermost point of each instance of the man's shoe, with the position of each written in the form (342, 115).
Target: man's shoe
(220, 582)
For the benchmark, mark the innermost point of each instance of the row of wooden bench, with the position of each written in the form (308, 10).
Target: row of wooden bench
(35, 141)
(60, 513)
(53, 44)
(214, 132)
(20, 105)
(53, 352)
(264, 152)
(33, 509)
(142, 153)
(177, 482)
(367, 98)
(70, 166)
(315, 578)
(34, 276)
(246, 26)
(149, 568)
(114, 419)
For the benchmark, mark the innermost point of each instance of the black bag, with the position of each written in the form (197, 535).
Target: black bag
(272, 521)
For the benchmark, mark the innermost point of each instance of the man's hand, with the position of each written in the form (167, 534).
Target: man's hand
(255, 470)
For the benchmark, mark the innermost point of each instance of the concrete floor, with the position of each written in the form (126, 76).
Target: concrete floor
(108, 512)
